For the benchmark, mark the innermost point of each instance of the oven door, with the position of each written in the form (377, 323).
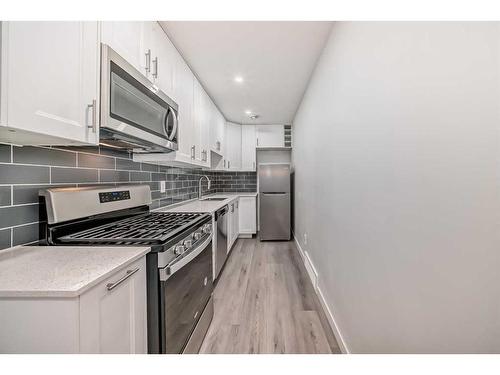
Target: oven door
(133, 110)
(185, 293)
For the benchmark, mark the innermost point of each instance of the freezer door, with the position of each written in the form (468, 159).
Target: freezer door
(275, 216)
(274, 178)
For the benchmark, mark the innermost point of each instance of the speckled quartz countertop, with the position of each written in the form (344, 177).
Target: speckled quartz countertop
(202, 205)
(60, 271)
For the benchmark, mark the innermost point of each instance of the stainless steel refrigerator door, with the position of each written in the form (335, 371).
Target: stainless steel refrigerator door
(275, 216)
(274, 178)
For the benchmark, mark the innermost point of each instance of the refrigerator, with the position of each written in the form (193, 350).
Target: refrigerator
(275, 201)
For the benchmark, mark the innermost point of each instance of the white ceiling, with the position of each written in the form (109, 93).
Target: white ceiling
(275, 60)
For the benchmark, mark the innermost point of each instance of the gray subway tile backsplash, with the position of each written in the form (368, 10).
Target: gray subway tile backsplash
(114, 176)
(95, 161)
(127, 165)
(17, 215)
(149, 167)
(5, 235)
(140, 176)
(88, 166)
(25, 234)
(43, 156)
(5, 153)
(73, 175)
(29, 193)
(5, 195)
(23, 174)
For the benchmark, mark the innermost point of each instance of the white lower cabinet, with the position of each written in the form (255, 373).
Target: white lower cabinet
(247, 216)
(233, 224)
(115, 321)
(108, 318)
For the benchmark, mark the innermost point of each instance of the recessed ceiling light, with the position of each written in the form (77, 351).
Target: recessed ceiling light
(248, 112)
(238, 79)
(254, 117)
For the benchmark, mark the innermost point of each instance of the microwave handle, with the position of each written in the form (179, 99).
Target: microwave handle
(174, 128)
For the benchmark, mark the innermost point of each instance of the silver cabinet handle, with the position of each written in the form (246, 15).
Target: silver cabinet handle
(254, 165)
(93, 107)
(155, 66)
(218, 145)
(129, 273)
(148, 60)
(257, 141)
(228, 164)
(192, 152)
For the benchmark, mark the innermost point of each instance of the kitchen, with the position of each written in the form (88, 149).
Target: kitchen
(167, 190)
(138, 158)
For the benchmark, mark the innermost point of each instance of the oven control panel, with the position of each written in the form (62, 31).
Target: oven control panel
(113, 196)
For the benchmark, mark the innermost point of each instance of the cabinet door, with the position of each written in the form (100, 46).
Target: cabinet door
(165, 54)
(209, 107)
(230, 224)
(201, 120)
(159, 56)
(270, 135)
(248, 151)
(113, 319)
(233, 146)
(236, 220)
(125, 38)
(248, 215)
(50, 79)
(183, 94)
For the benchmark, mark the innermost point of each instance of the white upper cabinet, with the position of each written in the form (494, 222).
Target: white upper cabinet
(200, 119)
(233, 146)
(217, 125)
(159, 57)
(125, 38)
(248, 151)
(183, 94)
(270, 135)
(49, 83)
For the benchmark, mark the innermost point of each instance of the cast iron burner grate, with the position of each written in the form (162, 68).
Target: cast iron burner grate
(151, 228)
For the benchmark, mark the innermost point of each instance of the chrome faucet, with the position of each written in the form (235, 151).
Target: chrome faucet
(199, 185)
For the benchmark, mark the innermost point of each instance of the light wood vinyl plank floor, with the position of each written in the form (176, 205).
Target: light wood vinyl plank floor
(265, 303)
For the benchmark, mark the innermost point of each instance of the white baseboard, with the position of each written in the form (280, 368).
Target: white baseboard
(313, 275)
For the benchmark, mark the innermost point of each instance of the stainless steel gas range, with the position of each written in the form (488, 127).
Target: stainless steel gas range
(179, 266)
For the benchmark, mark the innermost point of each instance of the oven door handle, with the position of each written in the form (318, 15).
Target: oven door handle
(169, 270)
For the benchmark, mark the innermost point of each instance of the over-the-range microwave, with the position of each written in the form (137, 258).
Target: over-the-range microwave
(134, 113)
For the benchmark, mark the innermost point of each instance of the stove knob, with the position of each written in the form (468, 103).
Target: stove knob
(197, 236)
(188, 244)
(207, 228)
(179, 249)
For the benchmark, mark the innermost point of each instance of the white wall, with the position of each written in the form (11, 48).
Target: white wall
(396, 153)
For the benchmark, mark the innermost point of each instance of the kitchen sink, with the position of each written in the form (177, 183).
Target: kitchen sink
(213, 199)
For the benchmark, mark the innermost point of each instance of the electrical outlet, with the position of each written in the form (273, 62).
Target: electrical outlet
(162, 186)
(305, 238)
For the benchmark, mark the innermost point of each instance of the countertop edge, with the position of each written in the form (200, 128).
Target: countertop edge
(72, 293)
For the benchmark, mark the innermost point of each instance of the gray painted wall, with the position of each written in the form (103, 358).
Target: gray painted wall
(396, 153)
(25, 170)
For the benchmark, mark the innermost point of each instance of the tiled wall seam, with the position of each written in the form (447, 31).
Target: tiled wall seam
(25, 170)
